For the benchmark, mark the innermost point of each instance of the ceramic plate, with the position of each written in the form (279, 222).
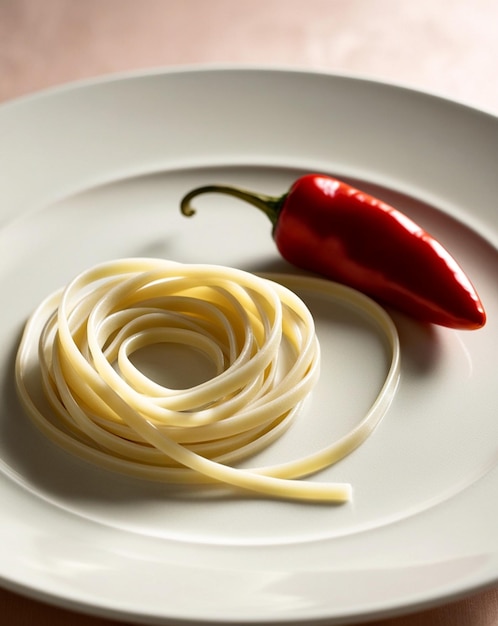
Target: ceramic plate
(96, 171)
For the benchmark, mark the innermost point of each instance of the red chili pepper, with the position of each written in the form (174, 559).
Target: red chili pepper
(328, 227)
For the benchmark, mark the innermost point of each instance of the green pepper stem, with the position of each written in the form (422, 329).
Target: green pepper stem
(270, 205)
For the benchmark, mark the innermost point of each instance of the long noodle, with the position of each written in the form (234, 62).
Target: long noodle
(78, 383)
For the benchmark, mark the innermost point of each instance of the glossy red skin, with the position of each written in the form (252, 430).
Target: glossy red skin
(332, 229)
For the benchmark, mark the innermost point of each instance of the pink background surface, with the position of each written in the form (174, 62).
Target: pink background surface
(449, 47)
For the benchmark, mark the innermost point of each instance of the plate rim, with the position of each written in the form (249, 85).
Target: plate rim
(213, 67)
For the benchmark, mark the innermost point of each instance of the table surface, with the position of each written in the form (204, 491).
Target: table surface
(448, 47)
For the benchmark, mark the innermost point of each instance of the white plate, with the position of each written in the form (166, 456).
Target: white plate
(96, 171)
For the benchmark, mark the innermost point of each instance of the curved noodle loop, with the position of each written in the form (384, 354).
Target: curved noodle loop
(79, 382)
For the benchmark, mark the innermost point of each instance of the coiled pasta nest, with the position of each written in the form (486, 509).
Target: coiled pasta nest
(79, 383)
